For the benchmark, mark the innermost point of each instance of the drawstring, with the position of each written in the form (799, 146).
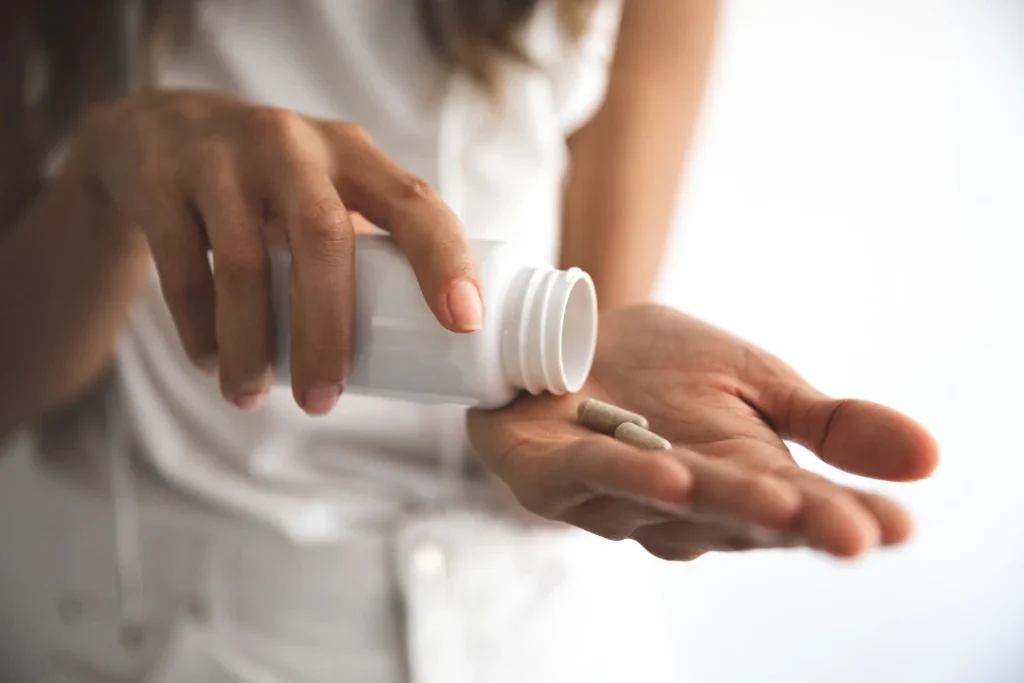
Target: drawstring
(118, 441)
(127, 527)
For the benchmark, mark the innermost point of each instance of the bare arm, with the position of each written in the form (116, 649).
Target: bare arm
(69, 271)
(192, 174)
(626, 163)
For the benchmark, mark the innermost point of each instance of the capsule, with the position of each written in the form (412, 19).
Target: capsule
(605, 417)
(627, 432)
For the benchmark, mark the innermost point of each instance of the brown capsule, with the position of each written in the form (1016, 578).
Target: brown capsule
(605, 417)
(627, 432)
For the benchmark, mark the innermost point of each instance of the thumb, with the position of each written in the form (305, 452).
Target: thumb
(859, 437)
(423, 227)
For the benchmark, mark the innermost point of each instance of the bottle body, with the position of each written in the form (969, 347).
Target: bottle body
(539, 330)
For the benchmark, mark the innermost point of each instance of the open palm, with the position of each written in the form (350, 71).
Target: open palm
(729, 483)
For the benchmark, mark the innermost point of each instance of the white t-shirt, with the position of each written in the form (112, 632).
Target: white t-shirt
(500, 166)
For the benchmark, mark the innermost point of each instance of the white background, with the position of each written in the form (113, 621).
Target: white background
(856, 205)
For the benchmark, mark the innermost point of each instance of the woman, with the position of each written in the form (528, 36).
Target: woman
(252, 541)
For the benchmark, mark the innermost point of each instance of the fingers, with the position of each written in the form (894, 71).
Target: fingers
(838, 521)
(739, 507)
(859, 437)
(548, 484)
(609, 467)
(420, 223)
(264, 162)
(241, 271)
(725, 489)
(179, 248)
(321, 240)
(321, 290)
(835, 522)
(845, 522)
(864, 438)
(670, 544)
(683, 540)
(893, 519)
(872, 440)
(612, 518)
(708, 504)
(674, 481)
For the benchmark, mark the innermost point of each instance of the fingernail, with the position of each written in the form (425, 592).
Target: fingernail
(466, 306)
(321, 400)
(249, 401)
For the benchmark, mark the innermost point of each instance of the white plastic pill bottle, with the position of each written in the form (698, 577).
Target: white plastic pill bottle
(539, 332)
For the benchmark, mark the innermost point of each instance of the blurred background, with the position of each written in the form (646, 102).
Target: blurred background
(856, 205)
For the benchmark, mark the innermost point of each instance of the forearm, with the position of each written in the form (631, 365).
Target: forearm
(627, 162)
(69, 271)
(615, 224)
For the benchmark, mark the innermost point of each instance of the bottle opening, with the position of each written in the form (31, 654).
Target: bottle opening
(578, 333)
(552, 333)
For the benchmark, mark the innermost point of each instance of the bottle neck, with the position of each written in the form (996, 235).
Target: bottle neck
(550, 330)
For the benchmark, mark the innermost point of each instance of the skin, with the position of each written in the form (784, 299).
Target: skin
(163, 178)
(729, 482)
(174, 176)
(75, 255)
(627, 162)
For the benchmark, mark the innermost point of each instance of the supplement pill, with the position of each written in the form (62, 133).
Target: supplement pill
(627, 432)
(605, 417)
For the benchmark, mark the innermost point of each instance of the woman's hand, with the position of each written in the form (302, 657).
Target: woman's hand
(730, 482)
(202, 173)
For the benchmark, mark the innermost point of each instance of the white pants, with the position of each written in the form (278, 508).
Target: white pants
(191, 595)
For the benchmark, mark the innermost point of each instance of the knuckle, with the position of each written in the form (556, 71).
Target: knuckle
(756, 488)
(276, 122)
(415, 189)
(840, 407)
(448, 254)
(658, 469)
(352, 132)
(326, 222)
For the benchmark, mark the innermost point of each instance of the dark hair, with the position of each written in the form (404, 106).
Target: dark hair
(59, 56)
